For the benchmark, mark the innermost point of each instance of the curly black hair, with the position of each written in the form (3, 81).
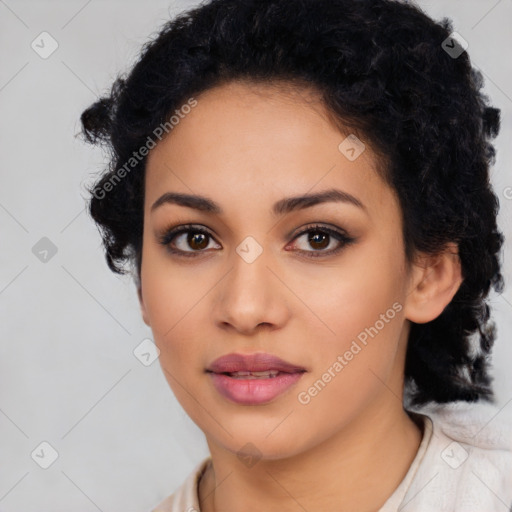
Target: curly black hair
(383, 69)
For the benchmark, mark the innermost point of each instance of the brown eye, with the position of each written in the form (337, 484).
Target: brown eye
(319, 238)
(186, 240)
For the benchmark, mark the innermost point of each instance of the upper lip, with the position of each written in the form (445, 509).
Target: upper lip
(258, 362)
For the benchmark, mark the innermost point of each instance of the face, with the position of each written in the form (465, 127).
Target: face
(321, 284)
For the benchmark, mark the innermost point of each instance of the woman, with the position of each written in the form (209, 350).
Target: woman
(302, 190)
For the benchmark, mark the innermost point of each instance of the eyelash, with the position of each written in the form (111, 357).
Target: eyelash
(171, 233)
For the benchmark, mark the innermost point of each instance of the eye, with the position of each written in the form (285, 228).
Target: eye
(320, 237)
(196, 238)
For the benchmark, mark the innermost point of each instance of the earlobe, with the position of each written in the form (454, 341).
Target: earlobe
(142, 306)
(435, 279)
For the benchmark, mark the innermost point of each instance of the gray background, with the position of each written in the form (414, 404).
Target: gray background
(69, 326)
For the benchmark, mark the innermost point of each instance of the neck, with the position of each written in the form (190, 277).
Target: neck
(358, 468)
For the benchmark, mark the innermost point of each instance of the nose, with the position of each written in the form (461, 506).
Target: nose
(251, 297)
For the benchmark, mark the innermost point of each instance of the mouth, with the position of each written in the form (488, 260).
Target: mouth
(253, 379)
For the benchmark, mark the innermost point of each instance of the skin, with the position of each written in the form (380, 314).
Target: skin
(246, 147)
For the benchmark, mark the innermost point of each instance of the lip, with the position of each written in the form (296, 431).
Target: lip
(258, 362)
(253, 391)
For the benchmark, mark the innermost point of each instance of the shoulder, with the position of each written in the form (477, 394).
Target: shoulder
(185, 497)
(468, 463)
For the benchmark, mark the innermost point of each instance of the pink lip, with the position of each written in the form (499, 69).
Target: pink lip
(258, 362)
(253, 391)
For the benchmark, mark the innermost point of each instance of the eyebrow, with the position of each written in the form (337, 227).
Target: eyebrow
(281, 207)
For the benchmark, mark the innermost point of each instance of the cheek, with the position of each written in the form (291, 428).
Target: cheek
(360, 346)
(353, 367)
(363, 291)
(357, 330)
(360, 306)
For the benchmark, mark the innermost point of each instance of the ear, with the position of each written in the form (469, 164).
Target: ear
(145, 316)
(434, 280)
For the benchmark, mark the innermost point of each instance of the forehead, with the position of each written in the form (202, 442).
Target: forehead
(247, 141)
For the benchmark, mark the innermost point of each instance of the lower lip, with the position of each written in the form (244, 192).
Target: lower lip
(253, 391)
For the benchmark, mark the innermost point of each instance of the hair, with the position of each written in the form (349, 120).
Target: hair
(381, 71)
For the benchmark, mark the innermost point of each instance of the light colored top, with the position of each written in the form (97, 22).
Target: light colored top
(463, 464)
